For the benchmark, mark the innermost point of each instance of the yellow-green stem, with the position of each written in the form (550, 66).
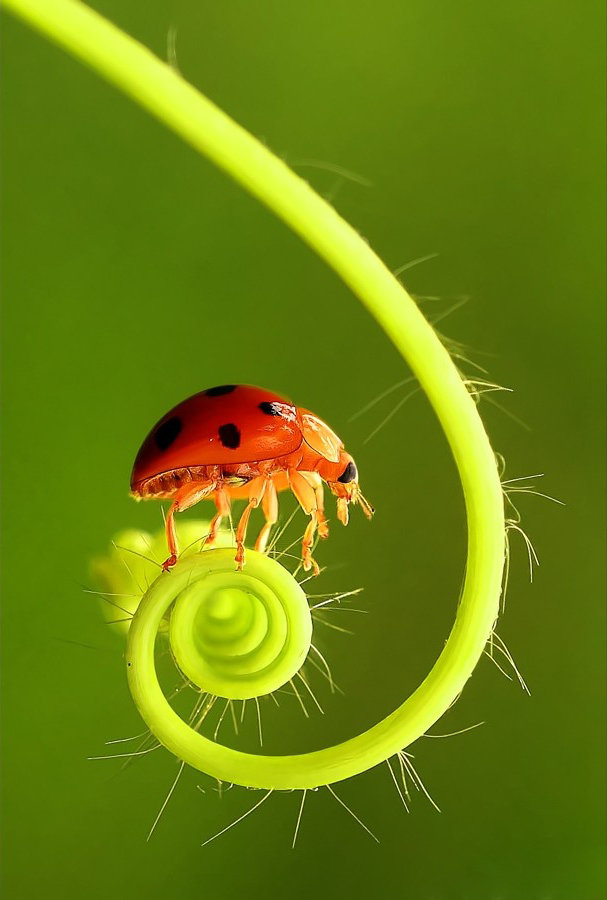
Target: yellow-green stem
(162, 91)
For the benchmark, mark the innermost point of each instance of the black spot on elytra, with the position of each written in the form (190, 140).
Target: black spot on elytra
(349, 474)
(219, 391)
(166, 433)
(229, 435)
(270, 409)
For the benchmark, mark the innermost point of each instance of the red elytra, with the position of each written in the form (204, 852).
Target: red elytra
(236, 441)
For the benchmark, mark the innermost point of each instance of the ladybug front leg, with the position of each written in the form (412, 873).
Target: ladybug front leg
(306, 497)
(316, 481)
(256, 491)
(185, 497)
(222, 502)
(269, 504)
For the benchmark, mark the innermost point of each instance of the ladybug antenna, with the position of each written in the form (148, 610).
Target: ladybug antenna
(366, 506)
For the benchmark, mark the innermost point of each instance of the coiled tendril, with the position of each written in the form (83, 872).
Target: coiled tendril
(234, 634)
(163, 91)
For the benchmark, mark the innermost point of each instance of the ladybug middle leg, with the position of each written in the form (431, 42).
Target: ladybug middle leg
(256, 491)
(185, 497)
(306, 497)
(269, 504)
(222, 502)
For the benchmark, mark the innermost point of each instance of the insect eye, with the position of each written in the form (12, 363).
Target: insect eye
(350, 473)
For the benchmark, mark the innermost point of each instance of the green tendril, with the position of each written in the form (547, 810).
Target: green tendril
(233, 634)
(161, 90)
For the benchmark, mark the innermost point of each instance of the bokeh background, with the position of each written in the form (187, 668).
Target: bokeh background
(135, 274)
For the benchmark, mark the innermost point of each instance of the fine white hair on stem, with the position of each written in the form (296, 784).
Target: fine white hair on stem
(148, 559)
(131, 573)
(397, 785)
(309, 577)
(220, 720)
(299, 815)
(127, 755)
(166, 800)
(144, 537)
(392, 413)
(106, 597)
(325, 600)
(449, 311)
(415, 777)
(455, 733)
(233, 716)
(353, 814)
(380, 397)
(258, 708)
(202, 539)
(324, 666)
(239, 819)
(531, 553)
(310, 692)
(125, 740)
(318, 618)
(333, 168)
(281, 531)
(285, 552)
(403, 777)
(496, 643)
(511, 486)
(298, 695)
(414, 262)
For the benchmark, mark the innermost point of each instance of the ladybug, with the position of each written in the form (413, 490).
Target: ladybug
(239, 441)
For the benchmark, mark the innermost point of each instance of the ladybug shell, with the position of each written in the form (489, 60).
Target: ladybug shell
(220, 426)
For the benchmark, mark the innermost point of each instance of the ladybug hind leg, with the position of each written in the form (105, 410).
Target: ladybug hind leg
(185, 497)
(306, 497)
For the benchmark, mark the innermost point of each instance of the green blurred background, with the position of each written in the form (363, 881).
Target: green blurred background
(136, 274)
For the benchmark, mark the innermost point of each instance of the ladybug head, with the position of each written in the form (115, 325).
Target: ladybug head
(343, 482)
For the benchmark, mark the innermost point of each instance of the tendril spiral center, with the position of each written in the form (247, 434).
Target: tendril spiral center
(234, 634)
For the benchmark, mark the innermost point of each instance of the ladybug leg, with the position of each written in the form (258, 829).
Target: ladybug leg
(222, 503)
(306, 545)
(185, 497)
(306, 497)
(269, 504)
(316, 481)
(342, 510)
(256, 491)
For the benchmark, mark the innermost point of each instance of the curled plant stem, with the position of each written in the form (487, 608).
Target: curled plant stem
(153, 84)
(234, 634)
